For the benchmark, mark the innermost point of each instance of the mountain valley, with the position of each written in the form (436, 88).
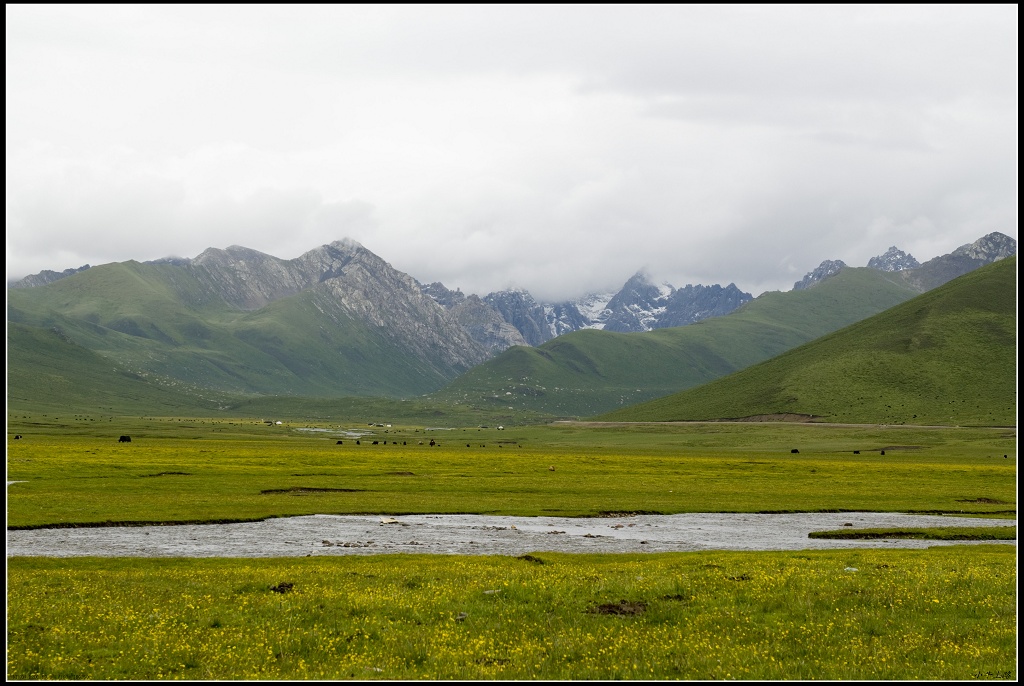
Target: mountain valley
(235, 326)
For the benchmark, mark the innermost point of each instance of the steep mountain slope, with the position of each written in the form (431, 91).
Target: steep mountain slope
(589, 372)
(335, 321)
(49, 373)
(966, 258)
(340, 321)
(519, 309)
(947, 357)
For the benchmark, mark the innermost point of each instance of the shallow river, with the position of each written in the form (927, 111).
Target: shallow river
(476, 535)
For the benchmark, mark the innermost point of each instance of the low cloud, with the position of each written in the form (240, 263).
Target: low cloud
(557, 149)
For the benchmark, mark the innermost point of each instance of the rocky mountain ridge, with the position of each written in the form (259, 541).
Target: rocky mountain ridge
(340, 321)
(344, 278)
(934, 272)
(44, 277)
(893, 260)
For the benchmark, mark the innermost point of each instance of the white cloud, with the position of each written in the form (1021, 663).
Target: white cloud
(558, 149)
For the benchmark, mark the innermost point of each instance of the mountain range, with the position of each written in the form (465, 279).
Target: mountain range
(947, 356)
(340, 321)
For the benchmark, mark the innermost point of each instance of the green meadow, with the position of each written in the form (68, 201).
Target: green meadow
(195, 470)
(938, 613)
(941, 613)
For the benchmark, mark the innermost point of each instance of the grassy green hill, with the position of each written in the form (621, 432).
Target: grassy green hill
(148, 338)
(156, 322)
(588, 372)
(49, 373)
(947, 357)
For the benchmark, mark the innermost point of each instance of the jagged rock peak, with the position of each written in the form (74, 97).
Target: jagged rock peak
(44, 277)
(893, 260)
(171, 260)
(484, 324)
(442, 295)
(344, 247)
(233, 254)
(989, 248)
(520, 309)
(347, 243)
(639, 287)
(638, 306)
(692, 304)
(825, 269)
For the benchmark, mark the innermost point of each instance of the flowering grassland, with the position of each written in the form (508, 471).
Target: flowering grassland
(940, 613)
(177, 471)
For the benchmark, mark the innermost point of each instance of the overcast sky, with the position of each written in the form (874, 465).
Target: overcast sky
(557, 149)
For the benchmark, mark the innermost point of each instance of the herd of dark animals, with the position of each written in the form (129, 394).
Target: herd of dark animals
(128, 439)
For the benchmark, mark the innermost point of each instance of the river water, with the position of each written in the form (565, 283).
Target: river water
(478, 535)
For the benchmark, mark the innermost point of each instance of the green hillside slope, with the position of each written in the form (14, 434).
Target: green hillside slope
(49, 373)
(947, 357)
(588, 372)
(157, 322)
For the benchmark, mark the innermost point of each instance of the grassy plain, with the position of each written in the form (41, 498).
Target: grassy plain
(940, 613)
(74, 471)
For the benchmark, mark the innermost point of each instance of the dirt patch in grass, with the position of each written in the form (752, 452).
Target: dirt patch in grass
(623, 607)
(988, 501)
(300, 490)
(780, 417)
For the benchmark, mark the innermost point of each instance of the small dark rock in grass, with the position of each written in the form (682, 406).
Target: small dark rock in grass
(623, 607)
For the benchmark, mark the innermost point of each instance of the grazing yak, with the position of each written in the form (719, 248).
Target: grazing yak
(125, 439)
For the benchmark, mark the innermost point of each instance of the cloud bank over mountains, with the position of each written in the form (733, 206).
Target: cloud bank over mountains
(549, 148)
